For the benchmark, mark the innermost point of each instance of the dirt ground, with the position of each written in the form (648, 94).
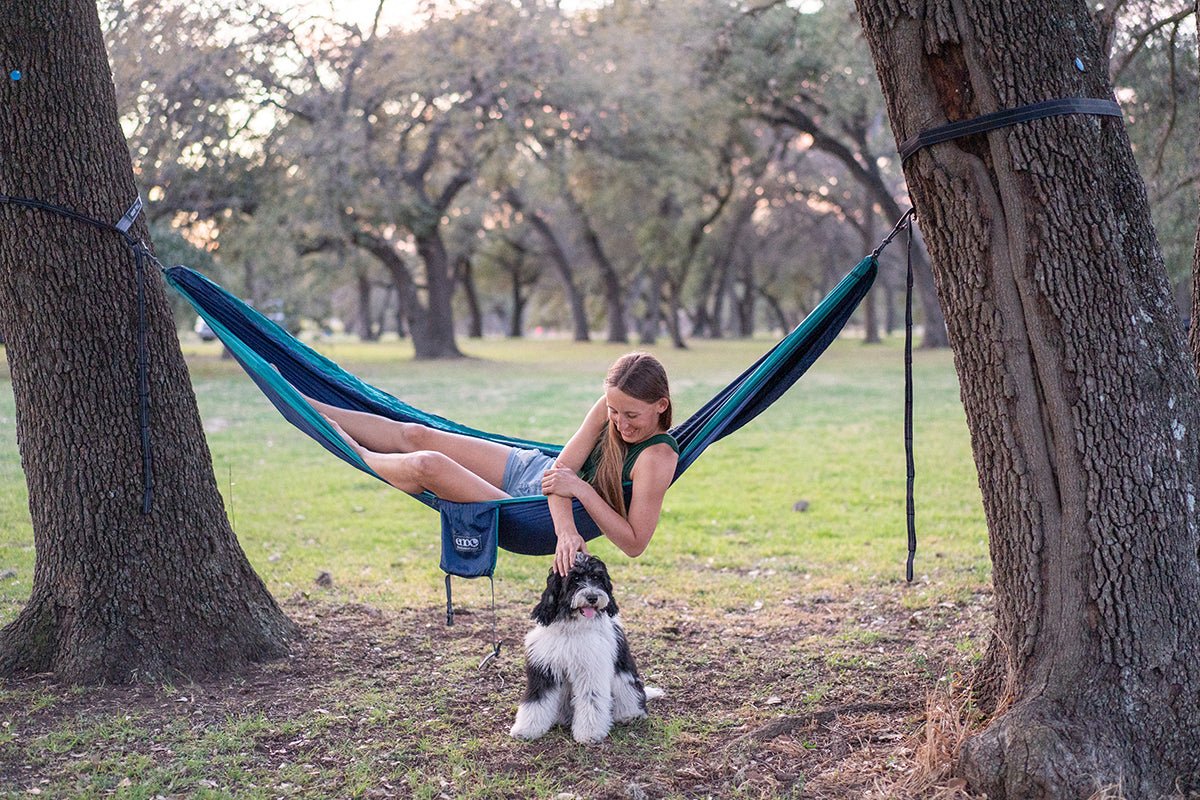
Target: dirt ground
(821, 697)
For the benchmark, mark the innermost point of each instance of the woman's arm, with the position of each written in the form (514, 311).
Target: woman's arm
(651, 475)
(580, 446)
(570, 459)
(569, 540)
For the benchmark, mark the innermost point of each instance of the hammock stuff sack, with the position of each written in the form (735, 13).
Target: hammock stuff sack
(286, 369)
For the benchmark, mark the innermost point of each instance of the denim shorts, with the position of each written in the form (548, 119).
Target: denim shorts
(523, 472)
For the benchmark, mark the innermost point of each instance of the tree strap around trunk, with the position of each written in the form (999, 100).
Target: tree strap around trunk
(1002, 119)
(905, 224)
(141, 254)
(945, 133)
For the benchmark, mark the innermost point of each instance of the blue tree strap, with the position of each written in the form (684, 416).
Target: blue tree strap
(141, 254)
(910, 502)
(1002, 119)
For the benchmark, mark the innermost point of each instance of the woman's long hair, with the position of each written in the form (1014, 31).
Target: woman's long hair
(642, 377)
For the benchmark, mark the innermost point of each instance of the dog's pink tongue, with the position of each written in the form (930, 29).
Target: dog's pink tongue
(589, 612)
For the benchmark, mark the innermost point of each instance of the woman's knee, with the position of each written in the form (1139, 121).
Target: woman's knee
(426, 467)
(413, 437)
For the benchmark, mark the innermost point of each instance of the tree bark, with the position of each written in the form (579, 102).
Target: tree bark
(1079, 393)
(1194, 316)
(117, 594)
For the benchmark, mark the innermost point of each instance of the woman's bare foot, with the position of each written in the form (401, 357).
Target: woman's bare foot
(347, 438)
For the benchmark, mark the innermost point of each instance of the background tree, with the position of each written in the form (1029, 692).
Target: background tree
(117, 593)
(655, 121)
(1153, 63)
(1081, 401)
(806, 72)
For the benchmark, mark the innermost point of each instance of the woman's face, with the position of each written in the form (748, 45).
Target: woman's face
(634, 419)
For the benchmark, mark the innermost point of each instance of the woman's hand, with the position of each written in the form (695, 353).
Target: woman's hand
(562, 482)
(570, 543)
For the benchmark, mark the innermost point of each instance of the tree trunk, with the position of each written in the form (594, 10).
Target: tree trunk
(714, 282)
(745, 301)
(516, 321)
(614, 302)
(117, 594)
(436, 337)
(368, 331)
(464, 275)
(672, 318)
(410, 314)
(653, 318)
(562, 264)
(1080, 396)
(870, 302)
(777, 312)
(1194, 316)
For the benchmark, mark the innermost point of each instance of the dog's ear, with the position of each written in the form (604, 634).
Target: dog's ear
(601, 573)
(611, 609)
(547, 608)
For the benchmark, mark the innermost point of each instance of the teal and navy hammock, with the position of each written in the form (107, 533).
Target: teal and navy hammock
(284, 368)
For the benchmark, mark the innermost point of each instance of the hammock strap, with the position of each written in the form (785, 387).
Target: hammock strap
(495, 651)
(141, 254)
(910, 503)
(1002, 119)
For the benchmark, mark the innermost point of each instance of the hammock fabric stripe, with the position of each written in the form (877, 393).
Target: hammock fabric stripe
(285, 369)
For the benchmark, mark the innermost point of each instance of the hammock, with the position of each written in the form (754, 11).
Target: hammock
(285, 369)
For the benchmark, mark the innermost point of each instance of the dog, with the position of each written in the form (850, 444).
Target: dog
(578, 667)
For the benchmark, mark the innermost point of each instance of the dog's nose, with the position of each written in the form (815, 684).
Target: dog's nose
(592, 598)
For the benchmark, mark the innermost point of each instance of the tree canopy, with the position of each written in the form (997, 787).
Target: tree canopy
(669, 168)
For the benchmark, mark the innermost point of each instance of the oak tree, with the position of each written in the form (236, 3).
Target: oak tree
(137, 570)
(1079, 393)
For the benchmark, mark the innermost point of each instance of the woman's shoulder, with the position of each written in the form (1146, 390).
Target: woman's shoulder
(660, 451)
(664, 438)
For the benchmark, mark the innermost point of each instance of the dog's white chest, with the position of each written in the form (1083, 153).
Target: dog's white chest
(570, 646)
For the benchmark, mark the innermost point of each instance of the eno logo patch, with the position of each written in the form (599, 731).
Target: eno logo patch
(471, 543)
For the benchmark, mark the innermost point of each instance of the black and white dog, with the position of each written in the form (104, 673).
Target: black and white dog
(578, 667)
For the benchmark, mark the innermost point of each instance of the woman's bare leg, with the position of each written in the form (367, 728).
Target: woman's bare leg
(381, 437)
(428, 470)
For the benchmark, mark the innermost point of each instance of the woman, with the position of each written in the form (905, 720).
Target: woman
(623, 438)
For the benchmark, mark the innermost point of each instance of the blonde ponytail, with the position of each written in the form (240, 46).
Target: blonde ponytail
(608, 481)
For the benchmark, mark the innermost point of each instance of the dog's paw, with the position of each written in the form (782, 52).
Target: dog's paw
(528, 734)
(589, 733)
(630, 716)
(589, 737)
(653, 693)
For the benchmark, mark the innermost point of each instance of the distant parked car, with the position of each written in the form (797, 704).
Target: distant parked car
(203, 331)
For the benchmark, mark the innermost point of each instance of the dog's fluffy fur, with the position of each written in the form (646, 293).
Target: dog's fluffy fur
(578, 667)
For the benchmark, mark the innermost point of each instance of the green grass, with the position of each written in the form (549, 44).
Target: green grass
(835, 441)
(742, 607)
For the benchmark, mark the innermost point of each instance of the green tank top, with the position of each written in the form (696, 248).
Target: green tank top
(588, 470)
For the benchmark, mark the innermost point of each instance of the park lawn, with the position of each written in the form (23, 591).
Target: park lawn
(744, 609)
